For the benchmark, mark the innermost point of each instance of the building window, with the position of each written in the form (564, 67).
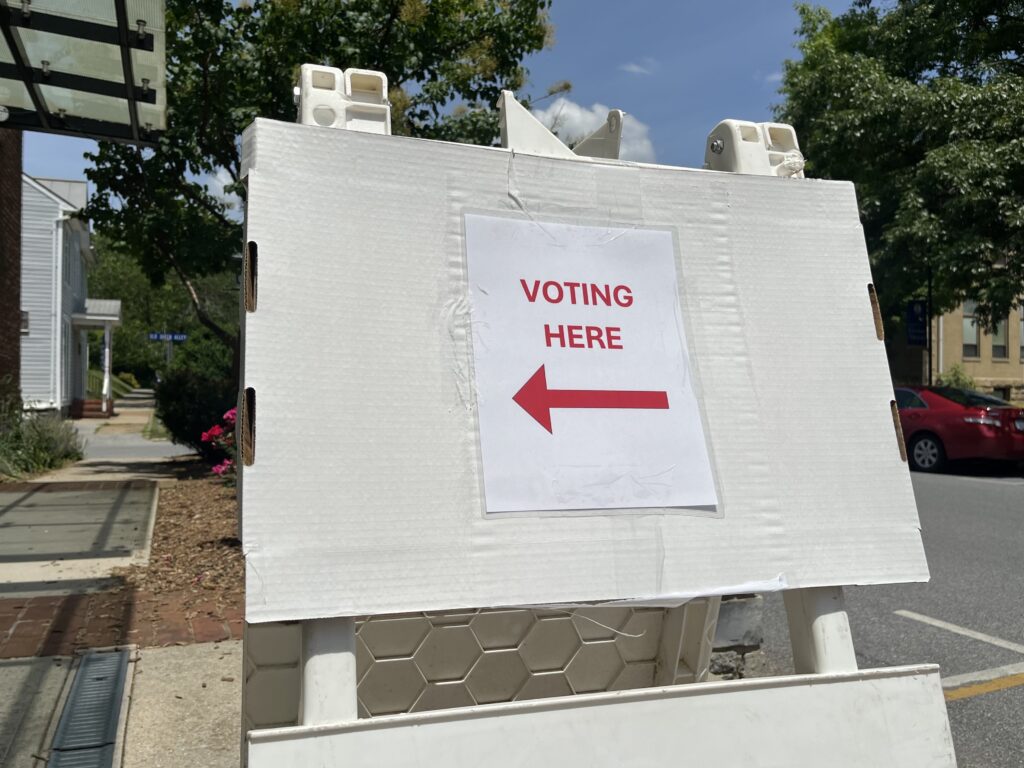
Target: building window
(24, 322)
(970, 329)
(1000, 350)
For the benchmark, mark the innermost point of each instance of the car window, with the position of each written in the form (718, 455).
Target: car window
(906, 398)
(984, 399)
(969, 397)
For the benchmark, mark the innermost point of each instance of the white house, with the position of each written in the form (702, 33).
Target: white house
(55, 313)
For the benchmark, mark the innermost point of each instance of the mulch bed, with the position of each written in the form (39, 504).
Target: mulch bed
(192, 589)
(195, 551)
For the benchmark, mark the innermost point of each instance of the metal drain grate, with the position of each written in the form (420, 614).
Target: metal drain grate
(88, 725)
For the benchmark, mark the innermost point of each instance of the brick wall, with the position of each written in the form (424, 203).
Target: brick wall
(10, 253)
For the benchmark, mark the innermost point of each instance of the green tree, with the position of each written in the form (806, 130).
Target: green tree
(227, 63)
(921, 103)
(146, 308)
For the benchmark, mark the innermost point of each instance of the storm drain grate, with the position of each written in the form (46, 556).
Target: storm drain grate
(88, 725)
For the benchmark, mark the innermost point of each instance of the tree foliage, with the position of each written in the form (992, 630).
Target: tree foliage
(921, 104)
(227, 63)
(146, 308)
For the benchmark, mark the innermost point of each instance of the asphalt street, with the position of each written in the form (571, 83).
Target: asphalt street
(969, 618)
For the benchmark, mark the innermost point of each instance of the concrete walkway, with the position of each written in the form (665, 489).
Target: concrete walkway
(186, 707)
(58, 537)
(116, 450)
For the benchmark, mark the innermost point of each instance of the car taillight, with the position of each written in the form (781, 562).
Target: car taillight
(987, 419)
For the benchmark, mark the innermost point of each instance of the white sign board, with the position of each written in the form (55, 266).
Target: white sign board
(392, 337)
(586, 397)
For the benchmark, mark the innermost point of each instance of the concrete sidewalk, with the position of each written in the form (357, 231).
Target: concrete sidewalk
(62, 532)
(186, 707)
(116, 450)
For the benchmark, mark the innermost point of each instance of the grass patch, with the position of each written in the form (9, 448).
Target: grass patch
(155, 429)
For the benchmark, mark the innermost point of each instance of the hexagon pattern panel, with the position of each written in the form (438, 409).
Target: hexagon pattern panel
(424, 661)
(419, 662)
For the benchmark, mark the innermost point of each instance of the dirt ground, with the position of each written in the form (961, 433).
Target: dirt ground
(195, 548)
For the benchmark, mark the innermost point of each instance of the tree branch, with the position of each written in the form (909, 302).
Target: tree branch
(201, 313)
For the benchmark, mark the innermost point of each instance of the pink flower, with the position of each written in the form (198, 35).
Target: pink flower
(230, 416)
(214, 432)
(223, 467)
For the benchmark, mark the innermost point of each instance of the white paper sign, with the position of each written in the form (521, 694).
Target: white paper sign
(584, 390)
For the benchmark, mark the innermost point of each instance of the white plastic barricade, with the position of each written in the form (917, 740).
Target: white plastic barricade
(504, 406)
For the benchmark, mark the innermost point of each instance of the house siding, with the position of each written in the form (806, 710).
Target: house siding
(38, 268)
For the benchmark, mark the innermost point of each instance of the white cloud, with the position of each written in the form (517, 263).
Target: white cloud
(573, 122)
(645, 66)
(774, 77)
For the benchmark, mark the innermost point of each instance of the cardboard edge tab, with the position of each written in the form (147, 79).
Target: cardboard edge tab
(899, 430)
(249, 266)
(247, 422)
(876, 312)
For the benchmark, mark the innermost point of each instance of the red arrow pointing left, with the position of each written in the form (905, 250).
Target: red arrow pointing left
(537, 400)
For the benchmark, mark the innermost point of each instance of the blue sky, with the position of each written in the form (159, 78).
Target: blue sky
(676, 66)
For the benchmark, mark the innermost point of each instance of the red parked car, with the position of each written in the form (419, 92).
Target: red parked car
(946, 423)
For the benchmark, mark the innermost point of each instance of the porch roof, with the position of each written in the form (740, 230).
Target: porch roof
(98, 313)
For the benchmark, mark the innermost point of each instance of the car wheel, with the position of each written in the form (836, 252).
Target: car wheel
(926, 453)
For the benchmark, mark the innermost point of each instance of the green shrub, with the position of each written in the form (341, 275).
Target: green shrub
(10, 404)
(196, 393)
(956, 376)
(129, 378)
(36, 443)
(49, 441)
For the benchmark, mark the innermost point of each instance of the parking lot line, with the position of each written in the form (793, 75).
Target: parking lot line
(990, 639)
(984, 676)
(989, 686)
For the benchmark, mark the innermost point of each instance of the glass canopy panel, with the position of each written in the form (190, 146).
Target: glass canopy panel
(91, 105)
(13, 93)
(150, 11)
(150, 64)
(75, 54)
(153, 114)
(87, 10)
(72, 55)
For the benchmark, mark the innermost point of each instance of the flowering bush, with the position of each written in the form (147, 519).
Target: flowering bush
(223, 437)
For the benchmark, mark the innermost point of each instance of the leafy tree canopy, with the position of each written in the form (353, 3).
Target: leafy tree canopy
(921, 104)
(146, 308)
(227, 63)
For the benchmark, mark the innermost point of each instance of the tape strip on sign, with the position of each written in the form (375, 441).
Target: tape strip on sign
(585, 392)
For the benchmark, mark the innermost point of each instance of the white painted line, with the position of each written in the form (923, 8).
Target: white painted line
(1011, 481)
(983, 676)
(996, 641)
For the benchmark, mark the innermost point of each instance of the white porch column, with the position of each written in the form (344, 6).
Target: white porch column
(81, 392)
(107, 341)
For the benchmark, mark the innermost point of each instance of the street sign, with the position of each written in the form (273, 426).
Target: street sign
(163, 336)
(917, 323)
(587, 399)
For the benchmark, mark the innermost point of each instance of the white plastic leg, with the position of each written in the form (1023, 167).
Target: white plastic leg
(819, 631)
(328, 672)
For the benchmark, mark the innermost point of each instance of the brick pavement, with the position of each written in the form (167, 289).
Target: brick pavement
(60, 625)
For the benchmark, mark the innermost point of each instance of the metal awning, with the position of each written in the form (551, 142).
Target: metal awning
(87, 68)
(98, 313)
